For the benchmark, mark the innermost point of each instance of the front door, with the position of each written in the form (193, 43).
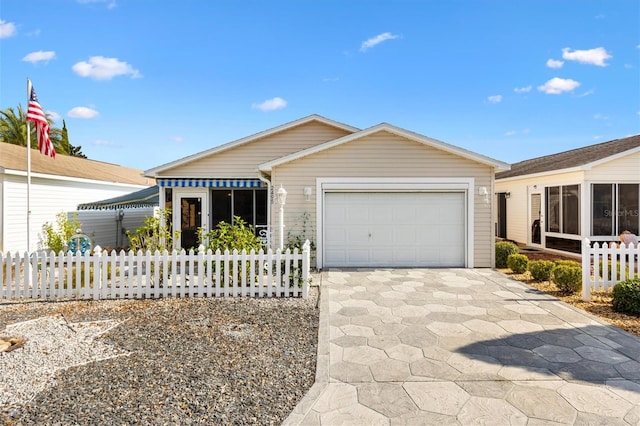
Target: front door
(190, 217)
(535, 218)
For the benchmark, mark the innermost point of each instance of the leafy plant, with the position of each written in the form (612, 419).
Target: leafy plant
(610, 272)
(297, 240)
(568, 276)
(226, 236)
(237, 236)
(518, 263)
(154, 233)
(541, 269)
(503, 250)
(626, 296)
(56, 238)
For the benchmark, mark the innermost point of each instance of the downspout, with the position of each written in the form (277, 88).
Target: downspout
(268, 182)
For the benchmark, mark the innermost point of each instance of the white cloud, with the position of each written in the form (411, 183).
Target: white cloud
(597, 137)
(366, 45)
(596, 56)
(599, 116)
(110, 3)
(526, 89)
(270, 104)
(53, 115)
(7, 29)
(330, 79)
(515, 132)
(495, 99)
(587, 93)
(556, 86)
(554, 63)
(178, 139)
(39, 56)
(101, 68)
(82, 112)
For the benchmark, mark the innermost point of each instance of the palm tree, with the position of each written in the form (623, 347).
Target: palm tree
(13, 129)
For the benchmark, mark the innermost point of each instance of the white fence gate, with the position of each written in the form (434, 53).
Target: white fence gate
(603, 266)
(47, 276)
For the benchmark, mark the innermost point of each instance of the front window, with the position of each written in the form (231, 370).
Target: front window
(249, 204)
(563, 209)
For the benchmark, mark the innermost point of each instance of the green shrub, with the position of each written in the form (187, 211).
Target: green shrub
(610, 272)
(226, 236)
(626, 296)
(541, 269)
(503, 250)
(154, 234)
(56, 238)
(518, 263)
(568, 276)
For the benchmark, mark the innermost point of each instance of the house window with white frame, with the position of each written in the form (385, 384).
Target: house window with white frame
(563, 209)
(615, 207)
(249, 204)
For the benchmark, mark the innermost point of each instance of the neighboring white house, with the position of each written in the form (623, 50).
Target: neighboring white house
(382, 196)
(556, 201)
(57, 185)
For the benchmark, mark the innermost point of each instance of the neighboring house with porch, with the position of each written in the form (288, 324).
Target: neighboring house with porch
(57, 185)
(556, 201)
(381, 196)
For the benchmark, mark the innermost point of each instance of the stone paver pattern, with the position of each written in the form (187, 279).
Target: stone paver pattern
(463, 347)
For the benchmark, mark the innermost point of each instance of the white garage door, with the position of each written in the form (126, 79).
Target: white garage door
(425, 229)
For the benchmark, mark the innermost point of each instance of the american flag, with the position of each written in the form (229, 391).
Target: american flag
(37, 115)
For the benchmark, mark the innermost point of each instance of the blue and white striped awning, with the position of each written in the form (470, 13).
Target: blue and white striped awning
(210, 183)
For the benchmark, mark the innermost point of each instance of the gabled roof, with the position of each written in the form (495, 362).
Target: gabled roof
(385, 127)
(576, 158)
(148, 197)
(14, 158)
(314, 117)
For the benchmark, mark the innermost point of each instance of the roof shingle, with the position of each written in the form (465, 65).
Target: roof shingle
(14, 157)
(573, 158)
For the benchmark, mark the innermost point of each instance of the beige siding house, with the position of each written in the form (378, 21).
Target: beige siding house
(556, 201)
(382, 196)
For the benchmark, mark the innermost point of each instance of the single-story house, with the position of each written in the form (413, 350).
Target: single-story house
(381, 196)
(57, 185)
(556, 201)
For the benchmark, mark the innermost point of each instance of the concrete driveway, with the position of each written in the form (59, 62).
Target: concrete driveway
(463, 347)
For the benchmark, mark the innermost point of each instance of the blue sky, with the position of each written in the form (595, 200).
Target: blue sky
(145, 82)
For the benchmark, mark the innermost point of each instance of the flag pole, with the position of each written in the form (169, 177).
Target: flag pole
(28, 170)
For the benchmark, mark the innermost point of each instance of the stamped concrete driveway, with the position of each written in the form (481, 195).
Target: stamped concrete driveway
(463, 347)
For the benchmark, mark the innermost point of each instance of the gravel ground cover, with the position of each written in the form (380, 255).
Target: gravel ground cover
(156, 362)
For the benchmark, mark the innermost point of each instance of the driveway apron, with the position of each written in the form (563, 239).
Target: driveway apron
(463, 347)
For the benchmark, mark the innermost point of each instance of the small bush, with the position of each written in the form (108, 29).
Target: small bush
(503, 250)
(518, 263)
(610, 272)
(626, 296)
(568, 276)
(541, 269)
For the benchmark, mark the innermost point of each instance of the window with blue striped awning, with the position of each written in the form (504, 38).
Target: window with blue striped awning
(210, 183)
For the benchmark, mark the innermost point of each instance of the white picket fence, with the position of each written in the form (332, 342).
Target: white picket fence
(604, 265)
(50, 276)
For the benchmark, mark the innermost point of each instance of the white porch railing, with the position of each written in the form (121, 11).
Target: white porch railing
(604, 265)
(50, 276)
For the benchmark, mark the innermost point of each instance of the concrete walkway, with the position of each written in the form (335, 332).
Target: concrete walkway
(463, 347)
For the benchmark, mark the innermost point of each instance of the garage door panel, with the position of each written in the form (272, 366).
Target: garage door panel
(394, 229)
